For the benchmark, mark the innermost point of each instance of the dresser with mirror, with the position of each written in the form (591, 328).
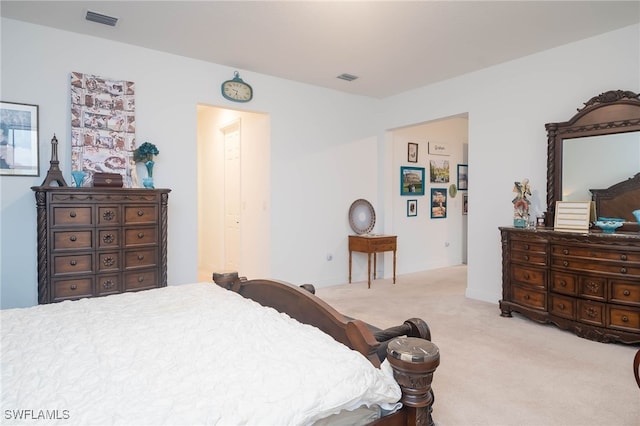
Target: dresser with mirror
(587, 282)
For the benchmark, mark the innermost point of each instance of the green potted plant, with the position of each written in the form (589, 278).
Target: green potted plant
(145, 154)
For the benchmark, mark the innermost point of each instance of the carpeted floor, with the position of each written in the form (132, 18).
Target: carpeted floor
(500, 371)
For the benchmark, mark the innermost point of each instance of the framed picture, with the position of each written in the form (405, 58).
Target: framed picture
(438, 203)
(436, 148)
(411, 180)
(573, 216)
(412, 208)
(463, 177)
(465, 204)
(439, 171)
(19, 150)
(412, 152)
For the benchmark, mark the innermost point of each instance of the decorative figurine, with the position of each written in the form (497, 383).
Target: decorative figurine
(521, 203)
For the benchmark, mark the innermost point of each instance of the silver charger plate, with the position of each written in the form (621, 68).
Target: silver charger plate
(362, 217)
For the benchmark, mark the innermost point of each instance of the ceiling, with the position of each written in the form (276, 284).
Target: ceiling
(392, 46)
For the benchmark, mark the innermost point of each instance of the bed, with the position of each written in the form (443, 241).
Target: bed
(239, 352)
(619, 201)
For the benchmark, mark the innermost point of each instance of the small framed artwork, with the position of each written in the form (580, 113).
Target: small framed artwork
(438, 203)
(19, 153)
(411, 180)
(412, 208)
(465, 204)
(436, 148)
(439, 171)
(412, 152)
(463, 177)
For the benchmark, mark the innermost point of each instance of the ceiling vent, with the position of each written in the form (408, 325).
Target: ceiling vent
(347, 77)
(101, 19)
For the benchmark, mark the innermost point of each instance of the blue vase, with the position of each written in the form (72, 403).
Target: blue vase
(148, 181)
(78, 177)
(636, 213)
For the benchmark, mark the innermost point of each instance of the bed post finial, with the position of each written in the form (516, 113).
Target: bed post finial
(227, 280)
(414, 361)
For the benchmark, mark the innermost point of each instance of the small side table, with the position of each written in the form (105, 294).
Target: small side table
(372, 244)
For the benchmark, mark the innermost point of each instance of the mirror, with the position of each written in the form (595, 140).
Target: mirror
(615, 112)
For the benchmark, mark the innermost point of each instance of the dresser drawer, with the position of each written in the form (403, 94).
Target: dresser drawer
(533, 258)
(627, 319)
(625, 292)
(530, 298)
(597, 265)
(592, 287)
(72, 264)
(108, 215)
(595, 252)
(591, 312)
(72, 289)
(72, 216)
(561, 306)
(530, 246)
(140, 258)
(108, 238)
(108, 284)
(108, 261)
(73, 240)
(530, 276)
(140, 214)
(140, 280)
(563, 283)
(140, 236)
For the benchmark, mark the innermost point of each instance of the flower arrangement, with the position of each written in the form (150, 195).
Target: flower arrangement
(145, 152)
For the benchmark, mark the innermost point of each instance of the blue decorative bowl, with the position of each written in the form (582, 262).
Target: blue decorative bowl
(609, 226)
(610, 219)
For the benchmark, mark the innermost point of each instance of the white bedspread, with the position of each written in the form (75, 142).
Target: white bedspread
(189, 354)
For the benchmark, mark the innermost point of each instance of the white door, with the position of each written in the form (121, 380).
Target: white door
(232, 197)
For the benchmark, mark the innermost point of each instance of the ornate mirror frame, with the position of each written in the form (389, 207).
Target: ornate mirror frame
(615, 111)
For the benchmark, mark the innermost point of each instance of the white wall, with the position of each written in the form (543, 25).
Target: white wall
(327, 148)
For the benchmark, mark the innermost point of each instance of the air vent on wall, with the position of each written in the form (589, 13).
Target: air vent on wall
(101, 19)
(347, 77)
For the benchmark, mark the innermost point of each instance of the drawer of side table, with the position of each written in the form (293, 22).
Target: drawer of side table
(141, 258)
(140, 214)
(625, 292)
(72, 216)
(72, 264)
(531, 298)
(73, 240)
(72, 289)
(140, 280)
(140, 236)
(561, 306)
(530, 276)
(627, 319)
(563, 283)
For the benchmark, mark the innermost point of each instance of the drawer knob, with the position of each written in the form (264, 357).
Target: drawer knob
(527, 276)
(623, 270)
(526, 297)
(140, 213)
(626, 292)
(108, 261)
(107, 284)
(140, 234)
(561, 306)
(108, 238)
(73, 262)
(140, 257)
(565, 251)
(526, 257)
(625, 318)
(526, 246)
(140, 278)
(623, 257)
(565, 263)
(72, 214)
(73, 238)
(73, 287)
(109, 215)
(563, 283)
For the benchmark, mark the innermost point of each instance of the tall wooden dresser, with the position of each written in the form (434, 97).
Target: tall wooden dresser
(99, 241)
(588, 283)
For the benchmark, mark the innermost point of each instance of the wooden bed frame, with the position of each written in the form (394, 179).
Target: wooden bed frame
(408, 348)
(619, 201)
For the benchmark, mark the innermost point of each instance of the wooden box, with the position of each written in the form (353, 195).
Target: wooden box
(111, 180)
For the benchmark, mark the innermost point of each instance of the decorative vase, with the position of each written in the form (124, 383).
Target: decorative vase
(148, 181)
(78, 177)
(636, 213)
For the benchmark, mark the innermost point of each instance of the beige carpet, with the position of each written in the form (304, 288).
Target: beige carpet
(495, 370)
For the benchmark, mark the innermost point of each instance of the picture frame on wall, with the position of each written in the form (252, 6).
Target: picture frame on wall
(412, 152)
(439, 171)
(411, 180)
(465, 204)
(412, 208)
(438, 203)
(19, 143)
(463, 177)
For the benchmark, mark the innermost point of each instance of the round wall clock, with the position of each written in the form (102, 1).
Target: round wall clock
(237, 90)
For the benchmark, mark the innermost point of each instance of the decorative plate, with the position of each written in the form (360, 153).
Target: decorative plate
(362, 217)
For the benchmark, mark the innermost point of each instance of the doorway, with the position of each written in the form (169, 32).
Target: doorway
(234, 202)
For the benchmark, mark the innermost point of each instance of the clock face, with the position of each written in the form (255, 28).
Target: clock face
(237, 90)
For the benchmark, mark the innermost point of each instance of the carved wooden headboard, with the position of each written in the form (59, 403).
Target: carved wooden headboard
(619, 200)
